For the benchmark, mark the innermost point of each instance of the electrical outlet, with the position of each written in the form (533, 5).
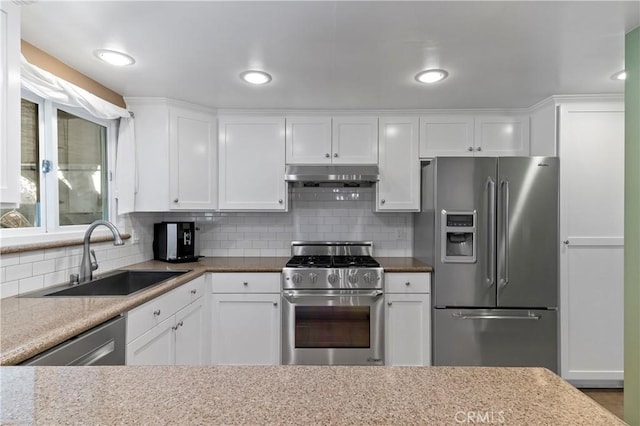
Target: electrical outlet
(135, 239)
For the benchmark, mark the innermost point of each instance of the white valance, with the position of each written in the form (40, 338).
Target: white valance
(55, 89)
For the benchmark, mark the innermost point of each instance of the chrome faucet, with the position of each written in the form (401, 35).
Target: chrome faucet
(87, 266)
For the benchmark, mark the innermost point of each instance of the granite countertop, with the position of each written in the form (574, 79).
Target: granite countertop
(293, 395)
(29, 326)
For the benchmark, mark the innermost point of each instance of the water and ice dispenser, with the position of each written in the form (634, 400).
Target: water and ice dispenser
(459, 237)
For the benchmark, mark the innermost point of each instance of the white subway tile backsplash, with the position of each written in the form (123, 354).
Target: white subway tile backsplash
(55, 253)
(18, 272)
(30, 284)
(9, 288)
(32, 256)
(10, 259)
(44, 267)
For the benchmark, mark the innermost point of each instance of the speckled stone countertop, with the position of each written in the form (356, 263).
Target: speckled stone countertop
(294, 395)
(29, 326)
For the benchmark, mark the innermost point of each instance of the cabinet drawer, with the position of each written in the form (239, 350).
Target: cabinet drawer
(417, 282)
(190, 292)
(246, 283)
(147, 316)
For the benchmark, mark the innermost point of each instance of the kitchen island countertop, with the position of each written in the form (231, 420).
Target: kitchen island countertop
(293, 395)
(29, 326)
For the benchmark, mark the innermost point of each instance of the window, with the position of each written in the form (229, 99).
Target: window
(64, 168)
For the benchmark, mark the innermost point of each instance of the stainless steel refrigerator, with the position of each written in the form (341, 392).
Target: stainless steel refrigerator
(489, 227)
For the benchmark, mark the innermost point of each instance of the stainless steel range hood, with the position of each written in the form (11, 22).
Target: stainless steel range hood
(332, 173)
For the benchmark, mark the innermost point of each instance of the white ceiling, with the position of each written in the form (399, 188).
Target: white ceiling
(341, 54)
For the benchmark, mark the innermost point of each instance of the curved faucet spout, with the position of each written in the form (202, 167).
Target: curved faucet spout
(86, 266)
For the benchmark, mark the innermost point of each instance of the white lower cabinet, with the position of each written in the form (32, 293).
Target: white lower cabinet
(170, 329)
(245, 313)
(408, 319)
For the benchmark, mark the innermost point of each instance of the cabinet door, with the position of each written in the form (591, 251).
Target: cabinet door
(152, 145)
(192, 344)
(193, 177)
(252, 163)
(501, 135)
(245, 329)
(446, 135)
(355, 140)
(399, 185)
(592, 227)
(308, 140)
(155, 347)
(408, 329)
(9, 103)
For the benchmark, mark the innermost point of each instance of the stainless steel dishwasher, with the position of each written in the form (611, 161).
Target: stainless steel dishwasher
(101, 345)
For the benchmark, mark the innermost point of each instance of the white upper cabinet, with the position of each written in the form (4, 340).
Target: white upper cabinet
(501, 135)
(474, 135)
(9, 103)
(323, 140)
(355, 140)
(193, 178)
(308, 140)
(399, 164)
(252, 163)
(176, 150)
(446, 135)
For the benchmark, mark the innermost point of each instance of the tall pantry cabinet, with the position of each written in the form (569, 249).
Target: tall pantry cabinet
(590, 144)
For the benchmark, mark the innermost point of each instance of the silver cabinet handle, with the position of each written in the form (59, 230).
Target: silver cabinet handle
(566, 242)
(479, 148)
(382, 201)
(245, 283)
(194, 291)
(335, 155)
(156, 312)
(275, 303)
(491, 231)
(175, 200)
(408, 283)
(327, 155)
(389, 303)
(470, 149)
(280, 201)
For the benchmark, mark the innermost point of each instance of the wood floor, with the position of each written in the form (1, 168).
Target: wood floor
(611, 399)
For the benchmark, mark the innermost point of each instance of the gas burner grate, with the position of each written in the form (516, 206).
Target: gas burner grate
(355, 261)
(309, 262)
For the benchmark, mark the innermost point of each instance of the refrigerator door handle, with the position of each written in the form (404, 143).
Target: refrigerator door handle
(491, 232)
(529, 316)
(505, 232)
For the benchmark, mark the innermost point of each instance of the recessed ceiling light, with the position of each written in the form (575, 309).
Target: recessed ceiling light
(112, 57)
(620, 75)
(255, 77)
(431, 76)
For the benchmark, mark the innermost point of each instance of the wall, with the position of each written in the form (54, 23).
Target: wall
(317, 214)
(28, 271)
(632, 231)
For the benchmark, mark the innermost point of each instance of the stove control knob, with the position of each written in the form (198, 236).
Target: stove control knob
(353, 278)
(296, 278)
(368, 278)
(313, 277)
(333, 278)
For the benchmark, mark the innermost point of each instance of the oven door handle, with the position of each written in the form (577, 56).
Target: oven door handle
(297, 294)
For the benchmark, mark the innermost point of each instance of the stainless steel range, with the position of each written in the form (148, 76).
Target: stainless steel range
(332, 305)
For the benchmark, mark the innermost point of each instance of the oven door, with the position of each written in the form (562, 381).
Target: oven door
(333, 327)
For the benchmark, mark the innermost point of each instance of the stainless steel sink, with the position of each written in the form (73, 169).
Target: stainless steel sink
(118, 283)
